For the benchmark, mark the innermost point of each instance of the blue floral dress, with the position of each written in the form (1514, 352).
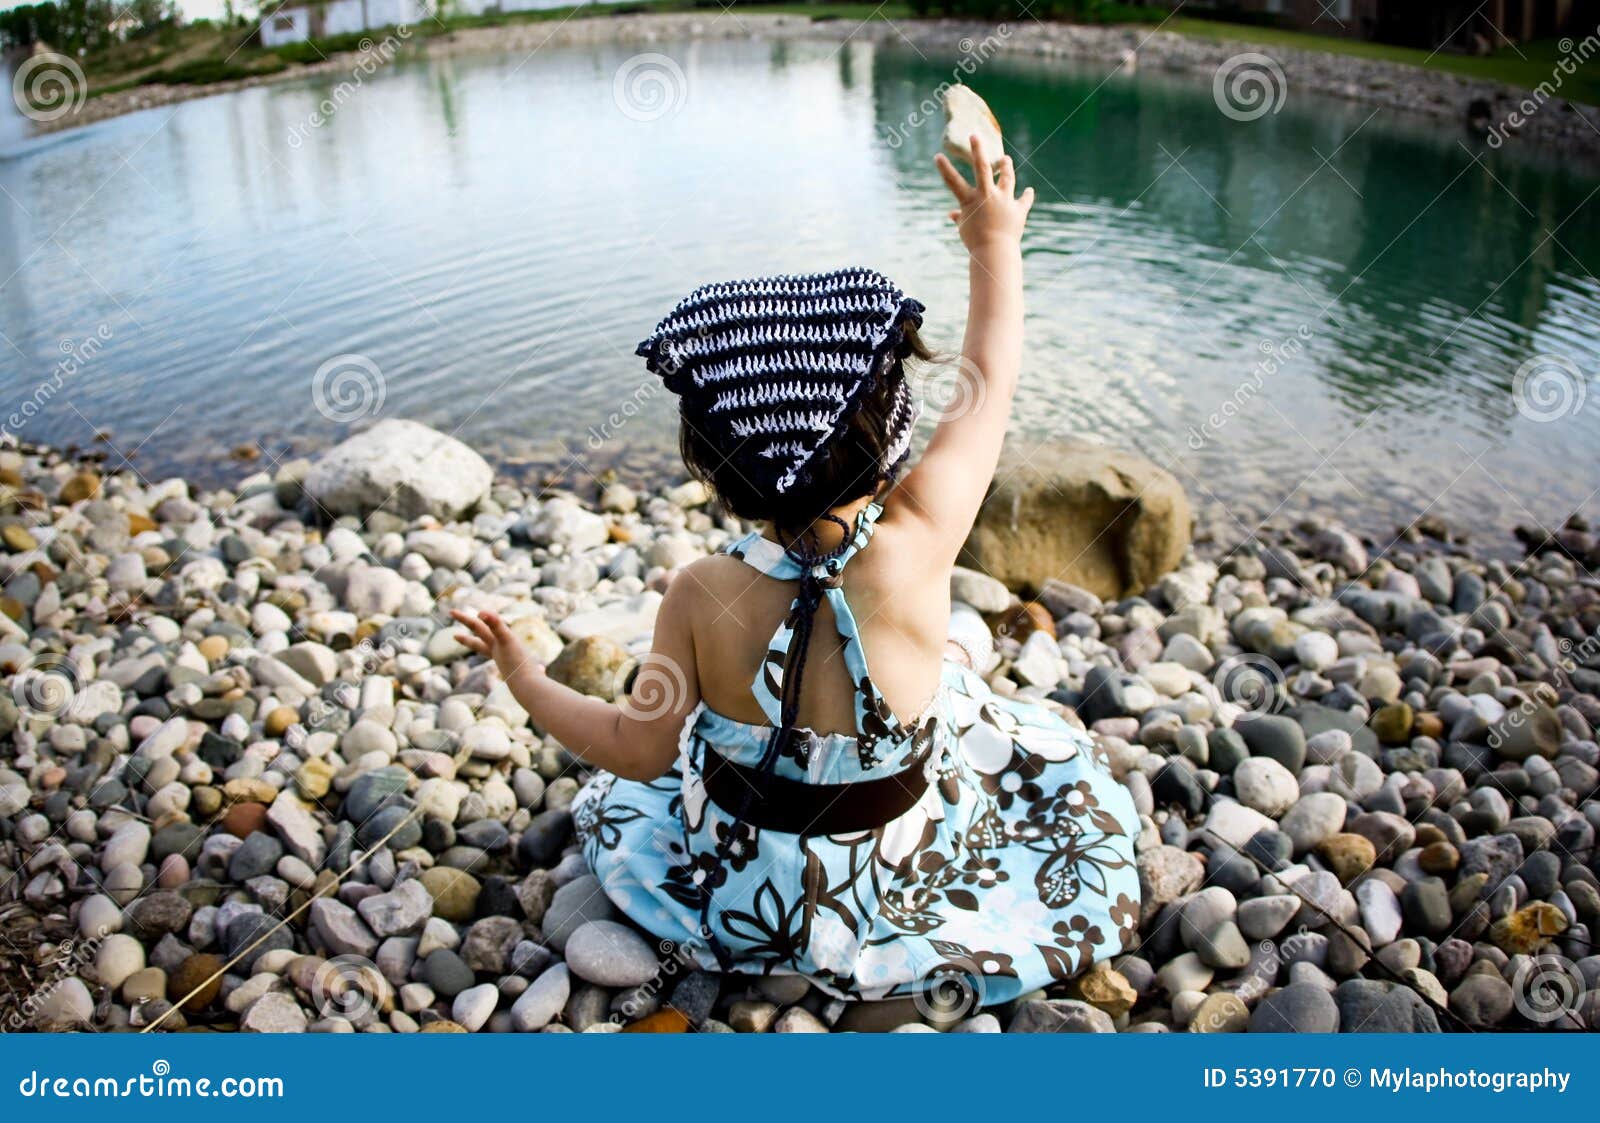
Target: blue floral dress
(1013, 870)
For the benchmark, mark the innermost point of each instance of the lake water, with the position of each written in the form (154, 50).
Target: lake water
(1321, 309)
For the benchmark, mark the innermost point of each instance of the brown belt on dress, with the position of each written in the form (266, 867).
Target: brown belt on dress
(777, 803)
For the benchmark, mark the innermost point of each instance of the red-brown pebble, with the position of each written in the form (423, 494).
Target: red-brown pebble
(244, 819)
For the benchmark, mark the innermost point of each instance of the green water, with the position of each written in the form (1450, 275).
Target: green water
(1322, 309)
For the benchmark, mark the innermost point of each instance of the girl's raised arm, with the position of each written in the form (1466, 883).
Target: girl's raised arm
(948, 485)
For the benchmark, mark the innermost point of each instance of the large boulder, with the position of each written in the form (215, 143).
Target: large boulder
(402, 467)
(1102, 519)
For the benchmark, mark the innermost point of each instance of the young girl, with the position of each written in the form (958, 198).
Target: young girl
(885, 831)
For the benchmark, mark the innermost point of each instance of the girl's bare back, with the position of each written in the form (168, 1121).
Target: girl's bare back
(901, 607)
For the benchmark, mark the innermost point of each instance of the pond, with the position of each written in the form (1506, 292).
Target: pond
(1326, 308)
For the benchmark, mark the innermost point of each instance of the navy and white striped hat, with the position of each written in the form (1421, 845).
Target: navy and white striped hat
(774, 368)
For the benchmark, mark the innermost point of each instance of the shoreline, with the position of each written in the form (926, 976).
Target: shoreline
(1557, 126)
(250, 782)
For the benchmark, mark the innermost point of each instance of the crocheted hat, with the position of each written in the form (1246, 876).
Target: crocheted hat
(772, 369)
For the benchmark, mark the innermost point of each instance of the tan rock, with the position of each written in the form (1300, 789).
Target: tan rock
(1105, 988)
(1348, 855)
(1528, 929)
(965, 115)
(1221, 1013)
(1102, 519)
(84, 485)
(214, 648)
(590, 666)
(277, 723)
(454, 892)
(17, 538)
(314, 778)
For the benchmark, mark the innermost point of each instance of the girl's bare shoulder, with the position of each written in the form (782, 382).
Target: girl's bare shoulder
(712, 580)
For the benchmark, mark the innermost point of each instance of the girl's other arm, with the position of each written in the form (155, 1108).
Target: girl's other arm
(948, 485)
(637, 737)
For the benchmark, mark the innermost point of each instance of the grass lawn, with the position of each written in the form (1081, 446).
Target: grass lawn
(1533, 65)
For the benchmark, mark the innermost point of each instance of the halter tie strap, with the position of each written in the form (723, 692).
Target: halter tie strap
(818, 577)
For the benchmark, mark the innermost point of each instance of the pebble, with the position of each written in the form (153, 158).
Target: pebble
(1273, 736)
(67, 1005)
(98, 916)
(454, 892)
(1262, 918)
(1312, 819)
(1482, 1001)
(1348, 855)
(400, 912)
(575, 904)
(1296, 1008)
(118, 957)
(196, 982)
(610, 954)
(543, 1001)
(274, 1012)
(472, 1007)
(1420, 774)
(1265, 785)
(1221, 1013)
(1060, 1015)
(446, 973)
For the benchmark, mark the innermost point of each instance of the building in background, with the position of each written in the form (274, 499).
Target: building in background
(295, 21)
(1467, 25)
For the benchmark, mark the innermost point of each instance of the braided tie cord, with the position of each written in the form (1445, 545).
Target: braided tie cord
(809, 598)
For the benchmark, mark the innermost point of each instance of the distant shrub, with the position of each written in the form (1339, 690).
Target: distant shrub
(1078, 11)
(315, 50)
(204, 71)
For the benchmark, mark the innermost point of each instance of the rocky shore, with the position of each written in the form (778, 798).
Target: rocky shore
(249, 781)
(1556, 124)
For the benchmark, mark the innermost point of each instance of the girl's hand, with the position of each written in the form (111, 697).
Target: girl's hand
(488, 635)
(990, 213)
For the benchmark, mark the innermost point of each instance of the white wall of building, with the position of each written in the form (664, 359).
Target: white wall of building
(345, 16)
(538, 5)
(291, 25)
(340, 17)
